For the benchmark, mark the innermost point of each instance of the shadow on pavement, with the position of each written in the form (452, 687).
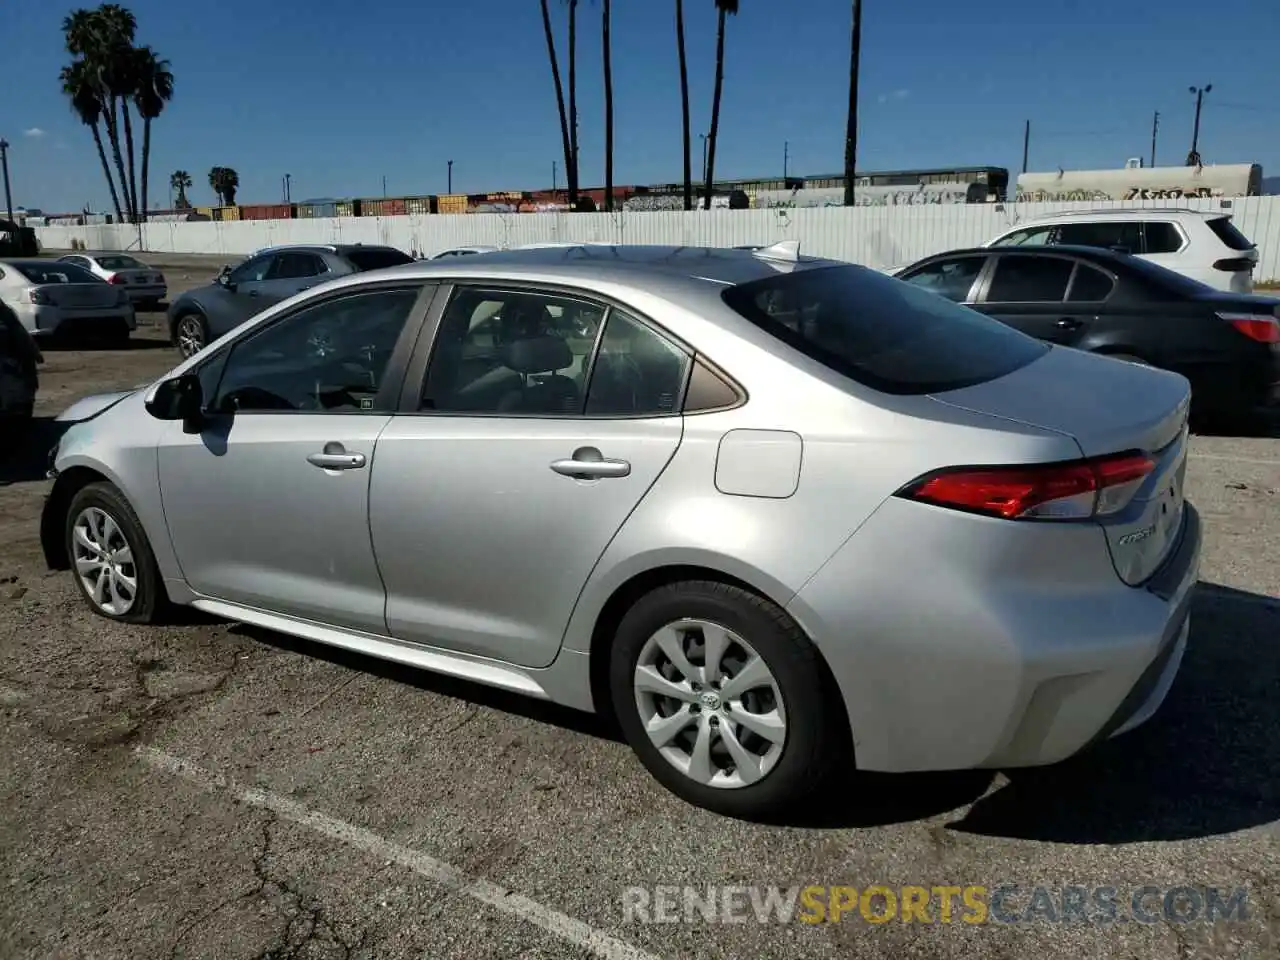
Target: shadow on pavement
(1204, 765)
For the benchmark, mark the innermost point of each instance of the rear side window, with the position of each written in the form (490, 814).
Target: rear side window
(1226, 231)
(1107, 234)
(1090, 285)
(1161, 237)
(364, 260)
(1026, 279)
(881, 332)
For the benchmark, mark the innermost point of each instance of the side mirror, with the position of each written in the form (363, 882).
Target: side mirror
(181, 398)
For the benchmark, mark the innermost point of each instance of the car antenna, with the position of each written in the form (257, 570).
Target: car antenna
(788, 250)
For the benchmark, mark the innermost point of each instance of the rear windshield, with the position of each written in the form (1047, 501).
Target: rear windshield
(41, 274)
(1228, 234)
(377, 259)
(881, 332)
(121, 263)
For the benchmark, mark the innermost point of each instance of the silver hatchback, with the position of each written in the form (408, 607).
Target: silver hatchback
(776, 514)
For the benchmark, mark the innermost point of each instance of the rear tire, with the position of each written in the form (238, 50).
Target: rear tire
(755, 729)
(111, 559)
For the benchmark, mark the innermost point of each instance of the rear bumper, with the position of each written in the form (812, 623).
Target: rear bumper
(961, 642)
(150, 292)
(50, 321)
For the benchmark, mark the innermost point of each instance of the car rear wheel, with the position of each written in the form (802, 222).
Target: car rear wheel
(723, 698)
(190, 334)
(111, 558)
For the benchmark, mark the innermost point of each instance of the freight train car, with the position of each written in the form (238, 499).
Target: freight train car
(1143, 183)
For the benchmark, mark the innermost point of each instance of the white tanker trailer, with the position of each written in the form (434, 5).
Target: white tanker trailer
(1142, 183)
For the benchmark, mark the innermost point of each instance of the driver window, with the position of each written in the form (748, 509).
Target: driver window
(252, 270)
(329, 357)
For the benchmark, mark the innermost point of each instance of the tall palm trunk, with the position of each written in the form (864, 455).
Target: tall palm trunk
(128, 144)
(113, 137)
(851, 122)
(106, 169)
(146, 162)
(684, 104)
(608, 112)
(715, 110)
(555, 75)
(573, 103)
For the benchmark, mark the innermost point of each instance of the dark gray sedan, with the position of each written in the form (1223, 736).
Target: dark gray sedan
(265, 278)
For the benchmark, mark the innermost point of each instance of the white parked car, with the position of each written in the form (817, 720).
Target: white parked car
(461, 252)
(52, 297)
(143, 284)
(1204, 246)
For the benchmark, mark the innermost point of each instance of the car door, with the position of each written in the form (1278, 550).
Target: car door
(542, 421)
(239, 295)
(1029, 293)
(955, 277)
(267, 503)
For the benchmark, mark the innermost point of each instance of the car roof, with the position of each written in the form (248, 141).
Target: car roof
(1035, 249)
(1130, 213)
(338, 248)
(649, 267)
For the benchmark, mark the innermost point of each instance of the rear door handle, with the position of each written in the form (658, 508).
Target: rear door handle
(1069, 323)
(336, 461)
(587, 464)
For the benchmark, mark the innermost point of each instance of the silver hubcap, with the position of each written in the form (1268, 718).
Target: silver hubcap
(190, 336)
(104, 561)
(709, 704)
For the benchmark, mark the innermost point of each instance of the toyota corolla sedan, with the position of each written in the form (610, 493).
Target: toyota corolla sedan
(777, 514)
(56, 299)
(143, 285)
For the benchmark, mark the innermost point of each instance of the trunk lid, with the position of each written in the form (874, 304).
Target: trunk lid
(80, 296)
(136, 278)
(1107, 406)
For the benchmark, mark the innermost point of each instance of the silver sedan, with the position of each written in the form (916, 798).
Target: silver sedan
(776, 514)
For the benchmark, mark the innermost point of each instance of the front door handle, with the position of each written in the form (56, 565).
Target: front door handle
(331, 460)
(1069, 323)
(587, 464)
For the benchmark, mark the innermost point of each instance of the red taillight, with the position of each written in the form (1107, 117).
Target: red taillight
(1055, 491)
(1255, 326)
(1234, 265)
(116, 280)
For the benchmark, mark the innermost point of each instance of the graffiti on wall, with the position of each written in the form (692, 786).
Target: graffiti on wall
(1126, 193)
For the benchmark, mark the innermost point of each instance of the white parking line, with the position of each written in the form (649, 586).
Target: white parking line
(517, 905)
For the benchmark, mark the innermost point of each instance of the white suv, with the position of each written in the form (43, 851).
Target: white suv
(1204, 246)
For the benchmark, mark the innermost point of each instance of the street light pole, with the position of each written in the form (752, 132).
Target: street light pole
(1155, 128)
(288, 188)
(1193, 158)
(786, 149)
(4, 162)
(449, 188)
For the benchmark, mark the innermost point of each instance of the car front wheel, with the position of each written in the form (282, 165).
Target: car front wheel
(724, 699)
(190, 334)
(110, 556)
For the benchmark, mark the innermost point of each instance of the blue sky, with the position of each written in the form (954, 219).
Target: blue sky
(341, 94)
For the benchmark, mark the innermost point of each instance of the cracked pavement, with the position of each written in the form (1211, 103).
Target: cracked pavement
(103, 856)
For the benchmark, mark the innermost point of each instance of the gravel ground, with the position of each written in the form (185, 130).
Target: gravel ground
(208, 790)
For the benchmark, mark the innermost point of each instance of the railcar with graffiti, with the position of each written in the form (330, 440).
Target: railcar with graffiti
(1142, 183)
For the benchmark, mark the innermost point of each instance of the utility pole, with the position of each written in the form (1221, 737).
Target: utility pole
(1155, 128)
(1193, 158)
(785, 148)
(449, 189)
(4, 162)
(704, 156)
(851, 122)
(384, 186)
(288, 188)
(553, 176)
(1026, 145)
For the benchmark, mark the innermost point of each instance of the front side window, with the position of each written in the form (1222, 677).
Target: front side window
(952, 279)
(331, 357)
(880, 332)
(1028, 279)
(513, 352)
(253, 269)
(296, 266)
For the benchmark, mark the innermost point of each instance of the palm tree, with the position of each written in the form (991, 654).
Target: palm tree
(225, 182)
(564, 122)
(79, 86)
(573, 102)
(723, 9)
(215, 181)
(851, 123)
(180, 181)
(608, 108)
(684, 103)
(153, 89)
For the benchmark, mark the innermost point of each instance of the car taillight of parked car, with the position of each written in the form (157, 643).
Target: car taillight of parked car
(1255, 326)
(38, 297)
(116, 280)
(1051, 491)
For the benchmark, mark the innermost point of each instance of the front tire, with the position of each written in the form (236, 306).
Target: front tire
(190, 334)
(111, 558)
(724, 699)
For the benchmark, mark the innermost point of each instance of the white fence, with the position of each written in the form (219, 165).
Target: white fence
(875, 236)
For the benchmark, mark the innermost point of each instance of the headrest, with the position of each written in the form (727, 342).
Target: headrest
(537, 355)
